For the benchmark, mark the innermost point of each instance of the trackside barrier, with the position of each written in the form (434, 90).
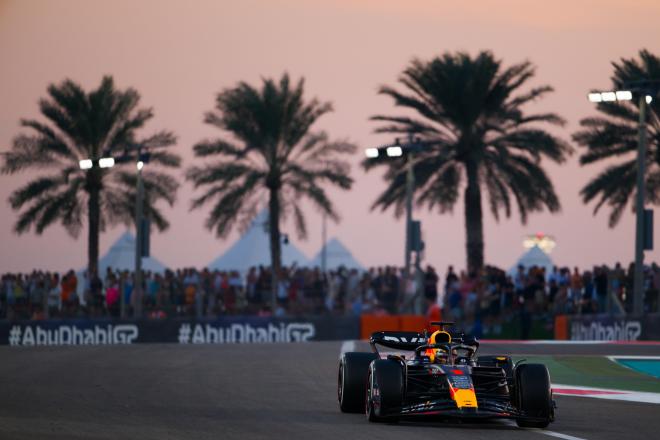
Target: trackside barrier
(413, 323)
(603, 327)
(561, 327)
(235, 329)
(374, 323)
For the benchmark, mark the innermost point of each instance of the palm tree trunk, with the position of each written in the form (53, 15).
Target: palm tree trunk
(275, 242)
(94, 217)
(474, 228)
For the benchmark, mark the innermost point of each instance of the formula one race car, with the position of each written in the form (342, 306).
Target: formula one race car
(411, 374)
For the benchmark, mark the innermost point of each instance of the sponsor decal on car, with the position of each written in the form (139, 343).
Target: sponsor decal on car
(464, 398)
(404, 339)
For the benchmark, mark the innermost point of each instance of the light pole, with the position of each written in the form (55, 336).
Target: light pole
(410, 183)
(88, 165)
(109, 162)
(324, 238)
(139, 201)
(413, 145)
(645, 97)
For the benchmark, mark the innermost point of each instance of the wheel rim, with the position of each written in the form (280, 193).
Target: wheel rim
(340, 381)
(367, 398)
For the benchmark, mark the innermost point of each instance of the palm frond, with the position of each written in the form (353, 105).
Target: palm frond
(28, 152)
(609, 182)
(498, 193)
(525, 179)
(223, 216)
(48, 141)
(538, 143)
(47, 209)
(218, 146)
(35, 189)
(157, 185)
(217, 173)
(442, 191)
(299, 222)
(159, 140)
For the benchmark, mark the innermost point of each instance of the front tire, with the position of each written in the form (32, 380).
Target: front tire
(534, 395)
(384, 393)
(352, 380)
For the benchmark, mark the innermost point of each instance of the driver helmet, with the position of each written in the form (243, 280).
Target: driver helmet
(435, 354)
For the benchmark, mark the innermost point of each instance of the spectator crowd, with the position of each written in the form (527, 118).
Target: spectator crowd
(487, 297)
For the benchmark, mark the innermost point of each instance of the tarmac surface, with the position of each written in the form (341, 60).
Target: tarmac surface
(269, 391)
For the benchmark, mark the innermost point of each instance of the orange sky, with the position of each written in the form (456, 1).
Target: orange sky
(179, 54)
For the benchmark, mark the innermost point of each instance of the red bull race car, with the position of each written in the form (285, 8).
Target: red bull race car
(416, 374)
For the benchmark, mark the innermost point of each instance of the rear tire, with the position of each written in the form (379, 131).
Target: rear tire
(534, 396)
(352, 380)
(384, 393)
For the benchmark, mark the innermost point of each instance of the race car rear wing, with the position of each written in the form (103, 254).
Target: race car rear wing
(397, 340)
(411, 340)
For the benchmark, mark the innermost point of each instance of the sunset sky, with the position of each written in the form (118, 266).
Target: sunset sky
(179, 54)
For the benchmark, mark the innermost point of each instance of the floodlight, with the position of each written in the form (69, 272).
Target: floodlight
(623, 95)
(140, 164)
(371, 153)
(595, 97)
(394, 151)
(86, 164)
(608, 96)
(649, 99)
(106, 162)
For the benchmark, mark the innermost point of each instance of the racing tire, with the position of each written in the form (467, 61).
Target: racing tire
(352, 380)
(384, 391)
(534, 395)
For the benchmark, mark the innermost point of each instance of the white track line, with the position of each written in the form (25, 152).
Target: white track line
(621, 356)
(616, 358)
(557, 434)
(624, 395)
(545, 431)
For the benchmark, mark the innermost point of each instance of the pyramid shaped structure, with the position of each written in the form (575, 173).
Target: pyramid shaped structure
(253, 250)
(121, 256)
(337, 254)
(533, 257)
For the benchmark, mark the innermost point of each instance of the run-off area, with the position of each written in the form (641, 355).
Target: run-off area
(242, 391)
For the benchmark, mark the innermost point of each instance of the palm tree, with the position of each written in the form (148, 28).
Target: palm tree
(273, 153)
(470, 113)
(613, 137)
(81, 125)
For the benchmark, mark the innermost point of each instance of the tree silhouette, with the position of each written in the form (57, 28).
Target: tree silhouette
(471, 111)
(87, 125)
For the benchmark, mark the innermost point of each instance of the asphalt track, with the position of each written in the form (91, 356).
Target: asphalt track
(276, 391)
